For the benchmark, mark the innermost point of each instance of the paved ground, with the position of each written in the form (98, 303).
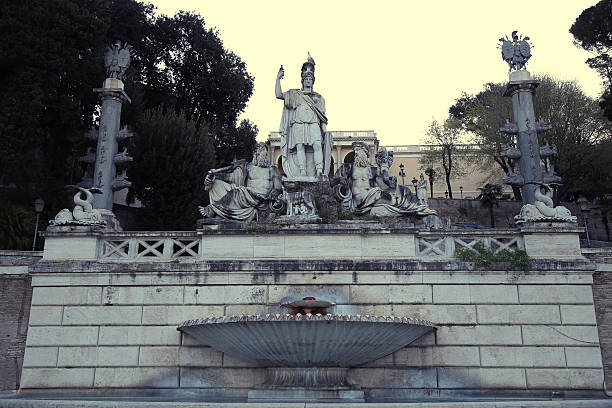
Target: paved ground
(74, 403)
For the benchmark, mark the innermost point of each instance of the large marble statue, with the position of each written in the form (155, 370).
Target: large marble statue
(305, 143)
(237, 191)
(83, 212)
(365, 189)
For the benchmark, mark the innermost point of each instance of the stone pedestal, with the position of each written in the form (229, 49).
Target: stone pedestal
(552, 240)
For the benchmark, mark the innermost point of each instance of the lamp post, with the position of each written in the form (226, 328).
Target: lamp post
(461, 191)
(401, 173)
(583, 204)
(414, 183)
(39, 204)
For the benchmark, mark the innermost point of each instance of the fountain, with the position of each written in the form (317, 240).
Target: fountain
(307, 356)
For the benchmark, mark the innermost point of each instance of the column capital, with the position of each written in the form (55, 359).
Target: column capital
(117, 93)
(521, 86)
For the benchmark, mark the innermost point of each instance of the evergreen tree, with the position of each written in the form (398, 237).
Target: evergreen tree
(171, 157)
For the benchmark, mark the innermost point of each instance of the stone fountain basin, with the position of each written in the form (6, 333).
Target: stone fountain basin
(307, 340)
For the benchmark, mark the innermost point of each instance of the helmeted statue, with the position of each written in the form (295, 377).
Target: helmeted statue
(305, 143)
(117, 60)
(365, 189)
(239, 190)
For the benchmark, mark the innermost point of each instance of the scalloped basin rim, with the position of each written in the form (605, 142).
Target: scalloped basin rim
(307, 340)
(305, 317)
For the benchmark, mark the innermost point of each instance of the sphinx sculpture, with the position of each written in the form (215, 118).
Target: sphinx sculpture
(83, 212)
(368, 190)
(239, 190)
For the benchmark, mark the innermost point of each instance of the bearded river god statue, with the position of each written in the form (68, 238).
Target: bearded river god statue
(305, 143)
(365, 189)
(238, 191)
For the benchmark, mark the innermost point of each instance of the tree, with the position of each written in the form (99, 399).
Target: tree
(592, 31)
(431, 175)
(171, 157)
(482, 115)
(444, 155)
(578, 127)
(489, 196)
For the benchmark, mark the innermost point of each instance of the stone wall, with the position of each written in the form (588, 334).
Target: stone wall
(15, 298)
(98, 326)
(470, 210)
(602, 294)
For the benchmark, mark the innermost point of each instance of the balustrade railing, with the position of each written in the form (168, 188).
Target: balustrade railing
(446, 244)
(168, 246)
(150, 247)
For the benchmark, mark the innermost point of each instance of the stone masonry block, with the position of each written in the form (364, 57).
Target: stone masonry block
(221, 377)
(586, 379)
(140, 335)
(493, 294)
(159, 356)
(57, 377)
(64, 336)
(481, 377)
(73, 295)
(137, 377)
(500, 356)
(384, 294)
(528, 314)
(253, 294)
(560, 335)
(229, 361)
(227, 247)
(394, 377)
(451, 294)
(414, 357)
(456, 356)
(587, 357)
(40, 357)
(200, 357)
(548, 378)
(557, 294)
(334, 293)
(172, 315)
(46, 316)
(571, 314)
(439, 314)
(97, 356)
(410, 294)
(478, 335)
(90, 315)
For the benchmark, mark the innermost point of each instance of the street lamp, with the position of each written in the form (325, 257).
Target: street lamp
(461, 191)
(583, 204)
(414, 183)
(39, 204)
(401, 173)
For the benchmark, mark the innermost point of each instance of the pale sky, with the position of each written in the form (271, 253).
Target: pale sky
(389, 66)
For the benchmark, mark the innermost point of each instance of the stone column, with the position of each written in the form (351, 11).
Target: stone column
(113, 96)
(521, 88)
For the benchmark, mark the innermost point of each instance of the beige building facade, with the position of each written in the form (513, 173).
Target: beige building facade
(406, 155)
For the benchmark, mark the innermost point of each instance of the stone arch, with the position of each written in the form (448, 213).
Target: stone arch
(350, 157)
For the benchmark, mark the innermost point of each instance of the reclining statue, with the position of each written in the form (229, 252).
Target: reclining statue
(239, 190)
(365, 189)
